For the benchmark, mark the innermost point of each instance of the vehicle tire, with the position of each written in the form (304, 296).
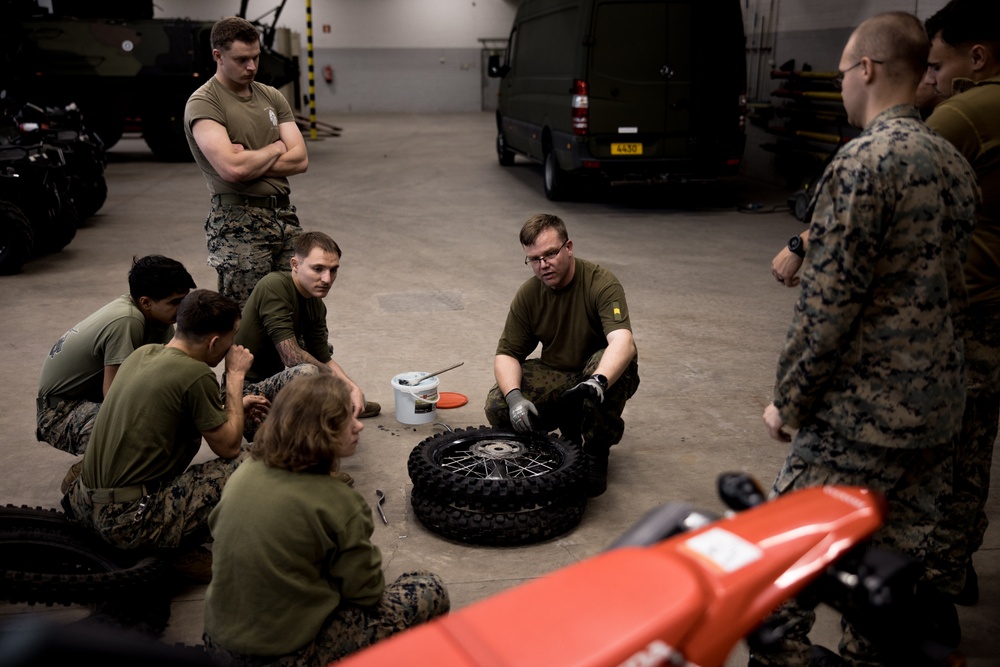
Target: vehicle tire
(56, 229)
(800, 204)
(504, 154)
(89, 194)
(163, 132)
(17, 238)
(44, 558)
(497, 469)
(556, 181)
(473, 525)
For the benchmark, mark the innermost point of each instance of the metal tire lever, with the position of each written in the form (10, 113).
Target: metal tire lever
(378, 505)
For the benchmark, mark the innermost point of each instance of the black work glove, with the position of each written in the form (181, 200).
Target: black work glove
(576, 408)
(521, 410)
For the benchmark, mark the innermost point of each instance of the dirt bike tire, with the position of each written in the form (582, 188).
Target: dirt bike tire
(513, 528)
(44, 558)
(497, 469)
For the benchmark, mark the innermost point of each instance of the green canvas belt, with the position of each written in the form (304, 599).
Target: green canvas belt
(125, 494)
(274, 201)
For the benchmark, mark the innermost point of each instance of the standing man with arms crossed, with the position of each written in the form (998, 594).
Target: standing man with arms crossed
(589, 364)
(964, 68)
(137, 488)
(872, 370)
(78, 370)
(246, 142)
(284, 324)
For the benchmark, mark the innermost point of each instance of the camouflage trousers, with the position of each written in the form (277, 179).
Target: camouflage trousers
(269, 388)
(974, 451)
(913, 481)
(544, 385)
(414, 598)
(245, 243)
(66, 425)
(171, 516)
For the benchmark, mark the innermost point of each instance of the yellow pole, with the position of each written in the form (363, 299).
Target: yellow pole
(312, 74)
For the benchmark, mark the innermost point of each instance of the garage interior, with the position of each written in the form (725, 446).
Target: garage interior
(428, 224)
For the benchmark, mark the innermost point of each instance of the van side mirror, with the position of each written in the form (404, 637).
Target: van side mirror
(494, 69)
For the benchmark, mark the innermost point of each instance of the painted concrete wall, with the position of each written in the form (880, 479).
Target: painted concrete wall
(413, 56)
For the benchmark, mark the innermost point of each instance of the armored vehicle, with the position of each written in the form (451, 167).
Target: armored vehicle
(125, 69)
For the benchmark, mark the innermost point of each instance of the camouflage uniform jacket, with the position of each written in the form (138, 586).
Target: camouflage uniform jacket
(874, 348)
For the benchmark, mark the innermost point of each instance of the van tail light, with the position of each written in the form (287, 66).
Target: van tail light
(744, 110)
(581, 106)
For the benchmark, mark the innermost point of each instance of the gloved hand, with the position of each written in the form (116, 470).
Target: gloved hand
(590, 388)
(521, 410)
(576, 408)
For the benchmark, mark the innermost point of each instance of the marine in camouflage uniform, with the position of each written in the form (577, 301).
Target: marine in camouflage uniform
(74, 374)
(588, 366)
(872, 370)
(252, 222)
(414, 598)
(302, 583)
(137, 488)
(969, 118)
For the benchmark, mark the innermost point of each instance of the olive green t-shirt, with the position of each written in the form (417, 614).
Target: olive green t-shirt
(74, 367)
(289, 548)
(150, 424)
(970, 119)
(571, 323)
(250, 121)
(276, 311)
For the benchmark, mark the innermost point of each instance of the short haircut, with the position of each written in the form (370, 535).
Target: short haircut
(157, 277)
(537, 224)
(304, 243)
(897, 39)
(964, 23)
(205, 313)
(233, 29)
(302, 431)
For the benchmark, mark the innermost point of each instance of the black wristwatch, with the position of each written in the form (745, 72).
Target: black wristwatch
(795, 245)
(601, 380)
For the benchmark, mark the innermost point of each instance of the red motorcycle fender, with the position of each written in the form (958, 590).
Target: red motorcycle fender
(697, 593)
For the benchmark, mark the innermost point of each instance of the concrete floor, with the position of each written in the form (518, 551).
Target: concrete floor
(428, 223)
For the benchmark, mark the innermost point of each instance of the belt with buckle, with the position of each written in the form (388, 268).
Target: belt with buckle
(274, 201)
(124, 494)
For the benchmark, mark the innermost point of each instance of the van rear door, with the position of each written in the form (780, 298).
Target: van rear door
(639, 79)
(652, 97)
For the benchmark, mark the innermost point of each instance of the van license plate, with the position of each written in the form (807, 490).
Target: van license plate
(626, 149)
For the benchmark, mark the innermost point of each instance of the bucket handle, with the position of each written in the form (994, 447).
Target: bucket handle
(415, 391)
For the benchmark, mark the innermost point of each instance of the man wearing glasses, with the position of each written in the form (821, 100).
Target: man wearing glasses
(872, 370)
(589, 364)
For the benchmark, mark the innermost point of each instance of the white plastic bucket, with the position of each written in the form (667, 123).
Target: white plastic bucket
(416, 404)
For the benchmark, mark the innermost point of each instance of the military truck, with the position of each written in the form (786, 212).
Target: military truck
(125, 69)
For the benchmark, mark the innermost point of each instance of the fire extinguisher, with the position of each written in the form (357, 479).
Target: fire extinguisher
(328, 74)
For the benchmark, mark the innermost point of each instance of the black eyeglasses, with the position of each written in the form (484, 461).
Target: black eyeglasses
(838, 81)
(547, 257)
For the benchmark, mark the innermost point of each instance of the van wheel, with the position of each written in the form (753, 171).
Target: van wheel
(504, 154)
(556, 181)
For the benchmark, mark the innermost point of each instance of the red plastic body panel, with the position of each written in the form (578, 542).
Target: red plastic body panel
(698, 593)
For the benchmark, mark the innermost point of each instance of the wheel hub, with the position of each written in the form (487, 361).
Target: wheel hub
(497, 449)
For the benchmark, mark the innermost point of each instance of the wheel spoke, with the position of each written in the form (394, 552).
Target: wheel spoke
(518, 463)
